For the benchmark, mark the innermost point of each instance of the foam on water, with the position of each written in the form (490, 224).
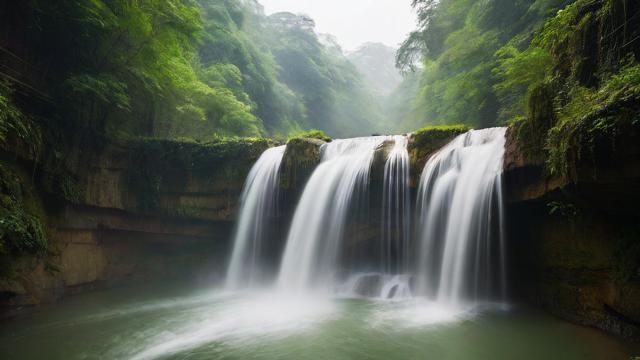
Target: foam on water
(242, 319)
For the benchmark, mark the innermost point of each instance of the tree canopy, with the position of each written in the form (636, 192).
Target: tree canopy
(185, 68)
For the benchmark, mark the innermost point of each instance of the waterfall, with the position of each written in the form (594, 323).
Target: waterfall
(258, 204)
(317, 230)
(462, 251)
(396, 210)
(457, 255)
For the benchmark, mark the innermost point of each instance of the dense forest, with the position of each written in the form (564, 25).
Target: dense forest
(484, 63)
(189, 69)
(209, 69)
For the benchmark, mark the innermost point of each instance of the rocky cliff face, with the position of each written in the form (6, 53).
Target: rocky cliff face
(576, 244)
(157, 209)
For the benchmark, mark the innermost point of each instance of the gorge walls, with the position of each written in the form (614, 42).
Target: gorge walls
(128, 212)
(576, 244)
(161, 209)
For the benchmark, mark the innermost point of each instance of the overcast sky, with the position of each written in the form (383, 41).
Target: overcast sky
(354, 22)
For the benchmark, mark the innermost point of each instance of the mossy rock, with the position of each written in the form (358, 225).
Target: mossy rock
(312, 134)
(300, 159)
(428, 140)
(156, 166)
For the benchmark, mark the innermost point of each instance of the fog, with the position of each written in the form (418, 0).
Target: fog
(354, 22)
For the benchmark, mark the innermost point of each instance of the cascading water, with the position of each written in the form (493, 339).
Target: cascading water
(318, 226)
(460, 207)
(460, 246)
(393, 280)
(396, 208)
(258, 203)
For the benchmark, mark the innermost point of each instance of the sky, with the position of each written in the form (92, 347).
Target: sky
(354, 22)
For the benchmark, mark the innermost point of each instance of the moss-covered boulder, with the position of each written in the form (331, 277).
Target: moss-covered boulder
(300, 159)
(427, 141)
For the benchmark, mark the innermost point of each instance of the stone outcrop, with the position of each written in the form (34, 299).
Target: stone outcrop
(575, 244)
(426, 142)
(139, 211)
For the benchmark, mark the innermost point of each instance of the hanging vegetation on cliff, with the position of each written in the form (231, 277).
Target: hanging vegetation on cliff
(460, 48)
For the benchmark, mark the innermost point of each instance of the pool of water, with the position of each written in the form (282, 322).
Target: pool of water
(152, 323)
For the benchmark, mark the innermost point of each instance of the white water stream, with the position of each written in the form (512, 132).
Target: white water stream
(396, 207)
(317, 230)
(258, 205)
(457, 256)
(462, 251)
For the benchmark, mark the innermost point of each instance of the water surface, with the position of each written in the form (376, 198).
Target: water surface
(147, 323)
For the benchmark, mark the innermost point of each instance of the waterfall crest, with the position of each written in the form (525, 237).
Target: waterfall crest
(461, 243)
(317, 230)
(258, 203)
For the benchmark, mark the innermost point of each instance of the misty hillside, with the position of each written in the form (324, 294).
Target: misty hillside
(332, 92)
(377, 63)
(198, 70)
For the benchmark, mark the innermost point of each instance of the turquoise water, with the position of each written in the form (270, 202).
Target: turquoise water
(148, 323)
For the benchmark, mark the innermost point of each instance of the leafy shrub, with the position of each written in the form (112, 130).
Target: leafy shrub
(14, 123)
(20, 231)
(590, 114)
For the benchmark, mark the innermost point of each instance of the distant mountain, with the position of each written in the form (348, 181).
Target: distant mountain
(377, 62)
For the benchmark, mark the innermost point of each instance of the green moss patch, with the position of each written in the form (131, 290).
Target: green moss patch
(592, 94)
(158, 164)
(431, 138)
(312, 134)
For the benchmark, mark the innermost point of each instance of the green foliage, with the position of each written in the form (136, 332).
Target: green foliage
(135, 69)
(14, 123)
(555, 34)
(21, 232)
(531, 130)
(475, 69)
(312, 134)
(586, 95)
(101, 87)
(584, 119)
(191, 68)
(519, 72)
(442, 130)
